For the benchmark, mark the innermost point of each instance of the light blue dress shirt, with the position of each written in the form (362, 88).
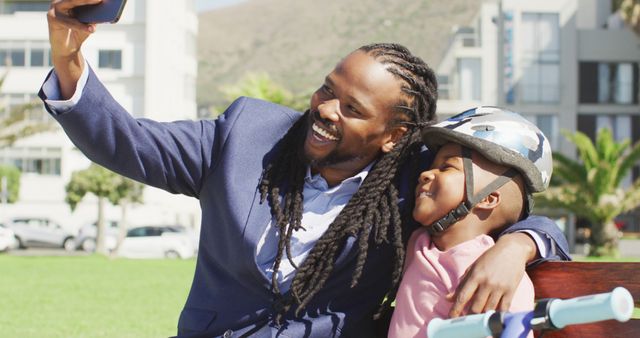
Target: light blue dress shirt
(321, 205)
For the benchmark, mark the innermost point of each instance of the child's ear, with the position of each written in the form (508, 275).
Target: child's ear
(490, 202)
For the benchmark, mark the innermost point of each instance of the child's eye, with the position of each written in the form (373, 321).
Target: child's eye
(326, 89)
(446, 166)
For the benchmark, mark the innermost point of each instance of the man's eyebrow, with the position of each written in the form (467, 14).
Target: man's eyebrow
(354, 100)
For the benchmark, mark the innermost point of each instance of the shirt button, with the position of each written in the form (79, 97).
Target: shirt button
(227, 334)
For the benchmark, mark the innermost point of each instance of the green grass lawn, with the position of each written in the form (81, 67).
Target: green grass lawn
(91, 296)
(607, 259)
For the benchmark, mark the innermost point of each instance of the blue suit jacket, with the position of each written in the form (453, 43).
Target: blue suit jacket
(220, 163)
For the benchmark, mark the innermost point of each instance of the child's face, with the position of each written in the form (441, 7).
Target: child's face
(441, 188)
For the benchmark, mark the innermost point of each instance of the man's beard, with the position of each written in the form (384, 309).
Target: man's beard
(336, 156)
(333, 158)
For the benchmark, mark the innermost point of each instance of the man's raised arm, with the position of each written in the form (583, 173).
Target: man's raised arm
(66, 36)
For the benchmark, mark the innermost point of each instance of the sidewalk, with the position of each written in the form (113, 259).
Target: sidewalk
(628, 248)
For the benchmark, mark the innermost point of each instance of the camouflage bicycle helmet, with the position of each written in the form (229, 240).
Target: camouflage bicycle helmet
(501, 136)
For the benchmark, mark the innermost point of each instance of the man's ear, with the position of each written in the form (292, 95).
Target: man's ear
(490, 202)
(393, 137)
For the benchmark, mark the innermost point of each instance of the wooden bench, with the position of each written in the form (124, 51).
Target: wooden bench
(573, 279)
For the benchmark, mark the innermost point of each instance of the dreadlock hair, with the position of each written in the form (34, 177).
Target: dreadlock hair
(372, 209)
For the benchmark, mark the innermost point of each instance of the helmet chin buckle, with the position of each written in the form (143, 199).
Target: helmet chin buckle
(450, 218)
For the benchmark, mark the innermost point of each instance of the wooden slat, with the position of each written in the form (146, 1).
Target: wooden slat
(606, 329)
(574, 279)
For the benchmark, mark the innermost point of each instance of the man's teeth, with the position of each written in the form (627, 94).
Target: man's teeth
(323, 133)
(425, 194)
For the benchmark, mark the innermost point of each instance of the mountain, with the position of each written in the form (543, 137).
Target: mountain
(298, 42)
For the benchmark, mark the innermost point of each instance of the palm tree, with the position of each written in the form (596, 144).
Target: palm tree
(261, 86)
(630, 12)
(591, 187)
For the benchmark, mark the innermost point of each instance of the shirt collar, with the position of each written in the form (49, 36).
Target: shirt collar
(318, 182)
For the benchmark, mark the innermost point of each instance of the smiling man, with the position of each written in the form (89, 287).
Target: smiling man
(302, 229)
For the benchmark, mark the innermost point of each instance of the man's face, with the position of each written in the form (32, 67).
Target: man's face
(349, 116)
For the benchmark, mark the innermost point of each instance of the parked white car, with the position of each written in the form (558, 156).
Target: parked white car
(41, 232)
(157, 242)
(86, 238)
(7, 238)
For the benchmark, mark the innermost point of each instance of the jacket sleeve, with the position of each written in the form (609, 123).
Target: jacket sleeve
(546, 228)
(175, 156)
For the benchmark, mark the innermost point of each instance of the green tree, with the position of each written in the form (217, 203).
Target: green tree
(260, 86)
(9, 183)
(591, 187)
(107, 186)
(630, 12)
(15, 123)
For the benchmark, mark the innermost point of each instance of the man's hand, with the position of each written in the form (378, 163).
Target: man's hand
(66, 36)
(490, 283)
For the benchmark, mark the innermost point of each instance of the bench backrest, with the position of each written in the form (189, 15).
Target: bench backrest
(573, 279)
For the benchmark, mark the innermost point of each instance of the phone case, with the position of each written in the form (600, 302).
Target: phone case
(107, 11)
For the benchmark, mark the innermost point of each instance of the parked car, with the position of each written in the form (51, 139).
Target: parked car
(7, 238)
(41, 232)
(193, 235)
(157, 242)
(86, 238)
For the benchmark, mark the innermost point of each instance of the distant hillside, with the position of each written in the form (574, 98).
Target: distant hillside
(297, 42)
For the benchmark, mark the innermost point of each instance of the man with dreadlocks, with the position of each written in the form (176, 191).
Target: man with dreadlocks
(302, 230)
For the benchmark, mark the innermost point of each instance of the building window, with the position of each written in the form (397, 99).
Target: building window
(443, 87)
(12, 57)
(620, 126)
(12, 6)
(24, 54)
(609, 82)
(37, 58)
(43, 161)
(111, 59)
(470, 78)
(548, 124)
(540, 80)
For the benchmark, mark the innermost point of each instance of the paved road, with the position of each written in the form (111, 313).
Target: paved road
(630, 248)
(45, 252)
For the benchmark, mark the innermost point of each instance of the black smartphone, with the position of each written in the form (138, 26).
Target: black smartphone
(106, 11)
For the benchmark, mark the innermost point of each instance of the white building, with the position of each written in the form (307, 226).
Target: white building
(147, 60)
(564, 64)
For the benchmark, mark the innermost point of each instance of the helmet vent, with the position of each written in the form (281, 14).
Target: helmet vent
(483, 127)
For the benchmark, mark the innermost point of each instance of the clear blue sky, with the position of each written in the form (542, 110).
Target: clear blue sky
(204, 5)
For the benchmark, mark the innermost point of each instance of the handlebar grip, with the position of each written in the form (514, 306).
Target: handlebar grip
(471, 326)
(617, 304)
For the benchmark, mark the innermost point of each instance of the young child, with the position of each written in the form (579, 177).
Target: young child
(488, 162)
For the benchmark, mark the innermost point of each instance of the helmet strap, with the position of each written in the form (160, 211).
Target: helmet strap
(464, 207)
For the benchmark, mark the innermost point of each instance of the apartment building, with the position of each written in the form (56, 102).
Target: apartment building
(564, 64)
(147, 60)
